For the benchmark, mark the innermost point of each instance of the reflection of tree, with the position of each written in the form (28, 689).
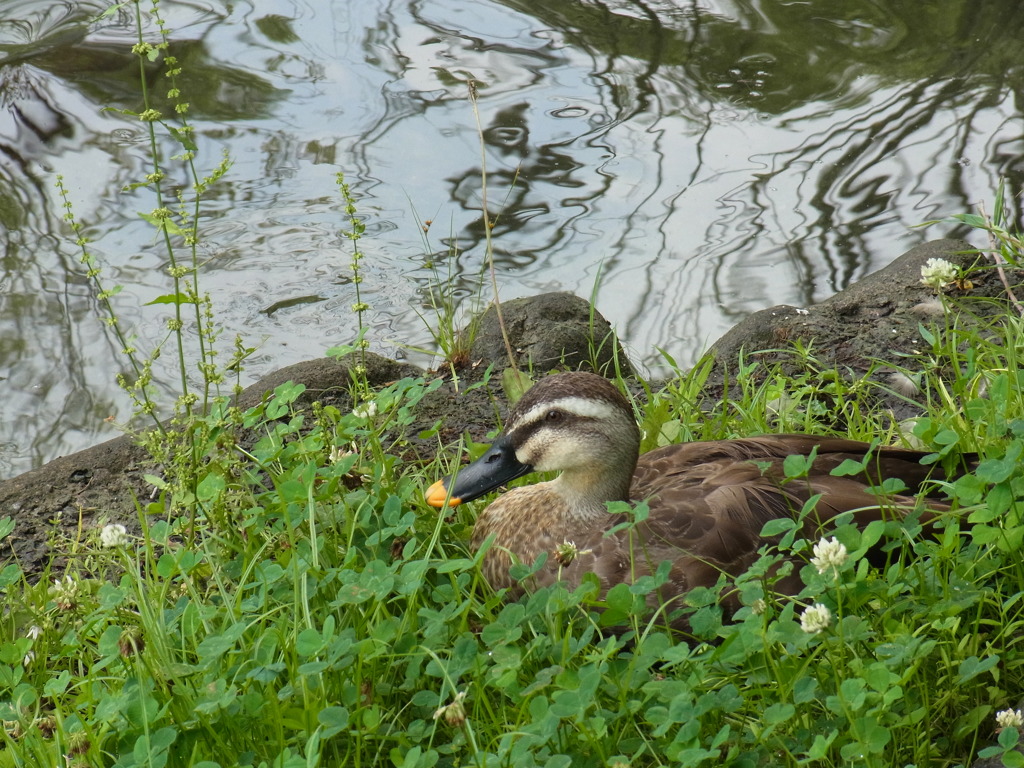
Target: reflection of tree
(109, 75)
(52, 341)
(510, 202)
(786, 59)
(777, 56)
(514, 199)
(43, 302)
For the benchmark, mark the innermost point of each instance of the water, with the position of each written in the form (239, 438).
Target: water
(687, 163)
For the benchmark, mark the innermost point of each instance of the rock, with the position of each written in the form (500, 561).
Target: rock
(871, 328)
(74, 493)
(327, 379)
(877, 305)
(552, 330)
(547, 332)
(765, 329)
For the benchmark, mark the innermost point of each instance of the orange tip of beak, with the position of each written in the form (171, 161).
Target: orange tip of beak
(437, 494)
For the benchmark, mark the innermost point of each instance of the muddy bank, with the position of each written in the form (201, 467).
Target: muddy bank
(873, 327)
(875, 319)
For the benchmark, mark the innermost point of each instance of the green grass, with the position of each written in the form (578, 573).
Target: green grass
(296, 603)
(321, 614)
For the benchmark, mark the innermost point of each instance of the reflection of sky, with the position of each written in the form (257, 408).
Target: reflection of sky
(692, 210)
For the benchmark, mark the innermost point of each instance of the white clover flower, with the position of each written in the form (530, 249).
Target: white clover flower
(34, 632)
(567, 551)
(337, 454)
(1010, 718)
(829, 555)
(365, 411)
(28, 658)
(938, 272)
(816, 618)
(454, 714)
(113, 536)
(65, 592)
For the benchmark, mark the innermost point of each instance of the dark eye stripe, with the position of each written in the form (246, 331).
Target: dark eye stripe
(521, 434)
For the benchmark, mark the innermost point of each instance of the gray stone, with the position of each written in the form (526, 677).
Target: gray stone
(871, 318)
(552, 330)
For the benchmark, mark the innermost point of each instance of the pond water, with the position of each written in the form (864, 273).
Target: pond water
(686, 163)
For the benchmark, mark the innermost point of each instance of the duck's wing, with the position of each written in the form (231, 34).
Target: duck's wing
(711, 499)
(687, 458)
(708, 503)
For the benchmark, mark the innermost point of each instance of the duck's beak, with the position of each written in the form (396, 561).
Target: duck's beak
(496, 467)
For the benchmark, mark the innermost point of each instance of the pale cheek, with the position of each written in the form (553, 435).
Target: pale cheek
(528, 455)
(542, 455)
(557, 456)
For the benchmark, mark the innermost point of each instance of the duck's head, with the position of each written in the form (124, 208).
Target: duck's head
(577, 423)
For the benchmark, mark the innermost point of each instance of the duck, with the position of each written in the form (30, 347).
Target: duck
(707, 501)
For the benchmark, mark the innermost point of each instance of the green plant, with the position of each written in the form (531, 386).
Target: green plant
(324, 616)
(182, 442)
(1005, 245)
(354, 235)
(454, 317)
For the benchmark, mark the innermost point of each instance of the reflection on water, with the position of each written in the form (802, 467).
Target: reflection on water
(700, 161)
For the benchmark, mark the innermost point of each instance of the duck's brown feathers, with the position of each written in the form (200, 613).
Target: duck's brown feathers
(708, 502)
